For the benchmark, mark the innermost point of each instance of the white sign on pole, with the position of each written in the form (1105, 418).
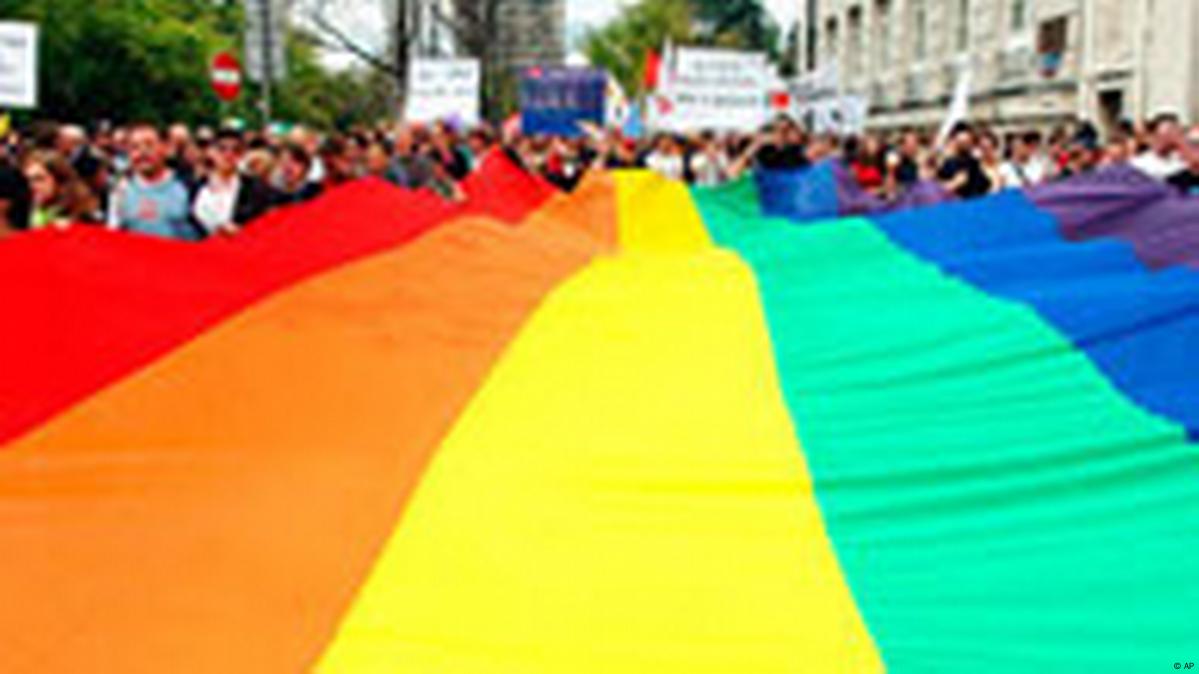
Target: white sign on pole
(266, 39)
(841, 115)
(441, 89)
(959, 105)
(18, 65)
(715, 90)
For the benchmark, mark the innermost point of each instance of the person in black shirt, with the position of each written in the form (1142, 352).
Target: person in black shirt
(16, 200)
(960, 172)
(782, 146)
(785, 148)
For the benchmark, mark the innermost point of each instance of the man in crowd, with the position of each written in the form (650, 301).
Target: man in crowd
(152, 200)
(903, 164)
(227, 200)
(961, 173)
(1161, 159)
(294, 185)
(1186, 181)
(1026, 167)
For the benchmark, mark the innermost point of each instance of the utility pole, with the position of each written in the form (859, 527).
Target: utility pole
(267, 61)
(403, 50)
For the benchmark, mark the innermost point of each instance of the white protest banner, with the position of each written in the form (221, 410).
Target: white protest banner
(18, 65)
(715, 90)
(441, 89)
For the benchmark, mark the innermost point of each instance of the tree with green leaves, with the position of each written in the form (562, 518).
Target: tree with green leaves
(127, 60)
(737, 24)
(623, 46)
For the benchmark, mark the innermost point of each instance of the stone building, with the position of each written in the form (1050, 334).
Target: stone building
(532, 32)
(1031, 62)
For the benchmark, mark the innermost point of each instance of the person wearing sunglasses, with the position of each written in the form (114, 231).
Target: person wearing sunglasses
(227, 200)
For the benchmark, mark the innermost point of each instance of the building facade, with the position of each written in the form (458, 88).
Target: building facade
(1030, 62)
(531, 32)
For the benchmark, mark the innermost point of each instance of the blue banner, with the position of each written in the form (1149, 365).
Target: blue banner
(553, 101)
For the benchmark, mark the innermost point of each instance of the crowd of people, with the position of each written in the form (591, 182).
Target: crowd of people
(191, 184)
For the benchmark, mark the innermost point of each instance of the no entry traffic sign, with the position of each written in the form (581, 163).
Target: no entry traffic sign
(226, 76)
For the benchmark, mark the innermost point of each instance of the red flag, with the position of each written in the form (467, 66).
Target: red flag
(653, 65)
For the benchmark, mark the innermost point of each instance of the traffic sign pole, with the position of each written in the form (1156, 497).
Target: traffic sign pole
(268, 66)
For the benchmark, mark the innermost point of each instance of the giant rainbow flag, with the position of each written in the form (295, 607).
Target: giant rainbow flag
(634, 429)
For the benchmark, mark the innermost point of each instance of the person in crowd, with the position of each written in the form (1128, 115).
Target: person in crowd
(441, 182)
(1161, 159)
(1118, 150)
(410, 167)
(293, 184)
(960, 172)
(377, 163)
(667, 158)
(310, 141)
(780, 146)
(152, 200)
(564, 165)
(445, 150)
(614, 151)
(71, 143)
(227, 200)
(1186, 181)
(1084, 156)
(183, 155)
(260, 163)
(479, 142)
(903, 165)
(708, 164)
(339, 161)
(784, 149)
(865, 159)
(990, 160)
(1025, 166)
(60, 197)
(16, 200)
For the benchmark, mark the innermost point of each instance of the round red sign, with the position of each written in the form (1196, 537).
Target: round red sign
(226, 76)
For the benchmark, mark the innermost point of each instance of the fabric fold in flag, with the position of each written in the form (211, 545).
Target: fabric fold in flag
(216, 511)
(95, 306)
(993, 497)
(625, 494)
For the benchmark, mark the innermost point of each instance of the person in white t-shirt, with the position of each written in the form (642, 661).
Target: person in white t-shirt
(1026, 167)
(667, 158)
(1162, 159)
(708, 164)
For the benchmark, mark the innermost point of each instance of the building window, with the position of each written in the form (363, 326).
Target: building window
(1019, 16)
(963, 25)
(830, 43)
(882, 34)
(919, 29)
(854, 60)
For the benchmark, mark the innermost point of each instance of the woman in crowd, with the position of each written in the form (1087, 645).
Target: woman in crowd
(60, 197)
(866, 162)
(990, 160)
